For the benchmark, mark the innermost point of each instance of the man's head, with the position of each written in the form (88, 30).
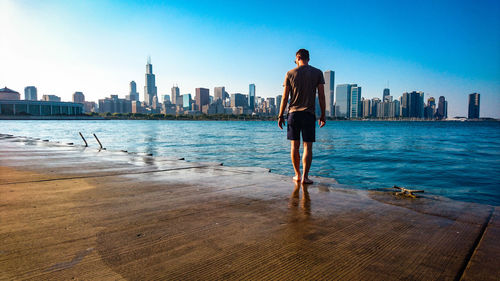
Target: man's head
(302, 55)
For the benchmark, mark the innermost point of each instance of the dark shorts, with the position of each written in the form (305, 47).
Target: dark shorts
(301, 121)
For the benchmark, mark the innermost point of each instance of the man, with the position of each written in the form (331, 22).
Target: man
(301, 84)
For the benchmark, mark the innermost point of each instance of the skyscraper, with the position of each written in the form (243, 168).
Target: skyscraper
(238, 99)
(374, 107)
(150, 88)
(412, 104)
(329, 92)
(355, 104)
(430, 109)
(202, 98)
(367, 107)
(186, 102)
(30, 93)
(133, 94)
(219, 93)
(251, 96)
(343, 100)
(78, 97)
(176, 96)
(278, 101)
(386, 95)
(474, 106)
(442, 111)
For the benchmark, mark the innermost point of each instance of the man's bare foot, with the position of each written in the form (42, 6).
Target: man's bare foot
(306, 181)
(296, 178)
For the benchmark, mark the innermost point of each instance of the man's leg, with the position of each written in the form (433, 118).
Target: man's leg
(306, 161)
(295, 155)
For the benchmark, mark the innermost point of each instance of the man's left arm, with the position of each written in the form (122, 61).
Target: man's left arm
(321, 98)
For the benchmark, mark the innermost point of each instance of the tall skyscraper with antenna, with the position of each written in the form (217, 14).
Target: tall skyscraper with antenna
(150, 90)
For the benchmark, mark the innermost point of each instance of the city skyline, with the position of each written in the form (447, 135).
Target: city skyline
(60, 54)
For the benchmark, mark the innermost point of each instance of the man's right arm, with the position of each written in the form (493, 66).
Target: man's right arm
(284, 102)
(321, 98)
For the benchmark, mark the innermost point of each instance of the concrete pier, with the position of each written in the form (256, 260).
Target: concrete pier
(68, 212)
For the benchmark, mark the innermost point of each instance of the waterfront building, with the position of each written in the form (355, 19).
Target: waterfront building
(133, 94)
(442, 110)
(187, 102)
(202, 97)
(343, 100)
(430, 109)
(51, 98)
(474, 99)
(238, 99)
(374, 107)
(8, 94)
(150, 90)
(278, 102)
(78, 97)
(219, 93)
(30, 93)
(355, 102)
(136, 107)
(166, 99)
(113, 104)
(251, 96)
(89, 106)
(412, 104)
(176, 96)
(367, 108)
(39, 108)
(329, 76)
(386, 94)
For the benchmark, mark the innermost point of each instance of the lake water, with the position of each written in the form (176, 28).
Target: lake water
(459, 160)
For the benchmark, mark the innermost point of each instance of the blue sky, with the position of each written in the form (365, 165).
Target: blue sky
(449, 48)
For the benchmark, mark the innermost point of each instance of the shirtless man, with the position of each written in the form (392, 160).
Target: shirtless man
(301, 84)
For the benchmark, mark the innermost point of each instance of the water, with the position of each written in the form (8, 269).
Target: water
(460, 160)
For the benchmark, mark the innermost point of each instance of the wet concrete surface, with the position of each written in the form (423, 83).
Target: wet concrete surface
(68, 212)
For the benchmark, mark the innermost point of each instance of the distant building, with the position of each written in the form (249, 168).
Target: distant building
(386, 95)
(412, 105)
(187, 102)
(430, 108)
(78, 97)
(113, 104)
(251, 97)
(133, 94)
(278, 102)
(8, 94)
(238, 99)
(30, 93)
(166, 99)
(51, 98)
(367, 108)
(89, 106)
(176, 96)
(374, 107)
(442, 110)
(219, 93)
(202, 98)
(355, 102)
(150, 90)
(474, 99)
(39, 108)
(343, 100)
(329, 76)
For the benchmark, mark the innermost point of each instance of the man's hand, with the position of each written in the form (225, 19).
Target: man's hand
(321, 121)
(281, 121)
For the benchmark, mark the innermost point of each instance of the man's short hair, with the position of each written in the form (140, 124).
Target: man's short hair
(303, 54)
